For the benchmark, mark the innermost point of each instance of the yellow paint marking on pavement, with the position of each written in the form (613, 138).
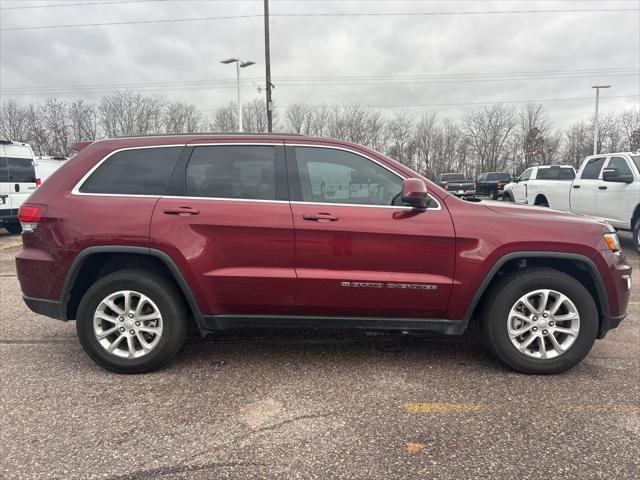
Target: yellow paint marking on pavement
(480, 407)
(445, 407)
(634, 303)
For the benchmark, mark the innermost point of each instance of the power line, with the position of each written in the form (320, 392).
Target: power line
(320, 80)
(325, 14)
(53, 5)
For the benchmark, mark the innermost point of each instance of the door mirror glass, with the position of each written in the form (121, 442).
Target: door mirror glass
(516, 179)
(414, 193)
(614, 175)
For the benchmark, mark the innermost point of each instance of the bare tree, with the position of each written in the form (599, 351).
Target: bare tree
(225, 119)
(254, 116)
(488, 130)
(577, 143)
(181, 117)
(83, 121)
(400, 145)
(127, 113)
(14, 121)
(629, 124)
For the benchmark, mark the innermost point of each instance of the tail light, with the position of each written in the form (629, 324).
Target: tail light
(445, 185)
(30, 216)
(500, 185)
(38, 182)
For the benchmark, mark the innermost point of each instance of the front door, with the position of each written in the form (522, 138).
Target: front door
(520, 189)
(358, 251)
(584, 191)
(226, 222)
(616, 200)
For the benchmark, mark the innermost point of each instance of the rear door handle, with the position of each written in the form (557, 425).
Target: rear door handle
(182, 211)
(602, 187)
(576, 186)
(320, 217)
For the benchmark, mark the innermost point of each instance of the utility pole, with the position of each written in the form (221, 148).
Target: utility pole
(595, 120)
(267, 61)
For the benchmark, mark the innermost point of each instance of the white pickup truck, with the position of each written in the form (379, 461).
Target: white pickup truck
(607, 186)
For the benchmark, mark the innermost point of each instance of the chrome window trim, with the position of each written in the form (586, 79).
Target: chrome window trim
(350, 150)
(76, 188)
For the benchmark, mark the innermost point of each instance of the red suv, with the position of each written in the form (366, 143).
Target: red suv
(136, 237)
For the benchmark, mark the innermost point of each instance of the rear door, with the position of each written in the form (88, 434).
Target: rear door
(5, 186)
(584, 191)
(358, 251)
(22, 174)
(226, 222)
(616, 200)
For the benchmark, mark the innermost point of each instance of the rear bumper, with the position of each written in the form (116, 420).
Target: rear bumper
(42, 306)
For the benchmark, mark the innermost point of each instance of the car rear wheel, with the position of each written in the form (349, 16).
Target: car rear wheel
(132, 321)
(539, 321)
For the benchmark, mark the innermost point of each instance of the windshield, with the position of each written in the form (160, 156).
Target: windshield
(636, 160)
(453, 177)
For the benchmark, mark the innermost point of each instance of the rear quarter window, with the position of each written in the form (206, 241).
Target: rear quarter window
(143, 171)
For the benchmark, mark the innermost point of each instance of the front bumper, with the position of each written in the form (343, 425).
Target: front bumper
(609, 323)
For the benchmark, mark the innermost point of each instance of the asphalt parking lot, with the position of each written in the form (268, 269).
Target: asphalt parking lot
(301, 404)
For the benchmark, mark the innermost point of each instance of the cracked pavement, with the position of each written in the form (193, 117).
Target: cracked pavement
(308, 404)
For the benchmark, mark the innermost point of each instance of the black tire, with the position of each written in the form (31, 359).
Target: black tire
(636, 235)
(13, 227)
(507, 197)
(542, 202)
(162, 292)
(504, 294)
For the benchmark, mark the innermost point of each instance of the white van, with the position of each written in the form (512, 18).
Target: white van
(17, 181)
(45, 166)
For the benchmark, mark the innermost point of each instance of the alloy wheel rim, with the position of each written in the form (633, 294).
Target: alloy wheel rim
(127, 324)
(543, 324)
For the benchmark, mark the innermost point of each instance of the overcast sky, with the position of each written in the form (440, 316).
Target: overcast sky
(434, 62)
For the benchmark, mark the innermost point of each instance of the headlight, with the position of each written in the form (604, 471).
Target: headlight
(612, 240)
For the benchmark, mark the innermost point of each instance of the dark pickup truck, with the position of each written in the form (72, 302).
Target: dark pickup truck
(456, 183)
(492, 184)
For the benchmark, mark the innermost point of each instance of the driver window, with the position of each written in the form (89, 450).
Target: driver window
(337, 176)
(621, 164)
(526, 175)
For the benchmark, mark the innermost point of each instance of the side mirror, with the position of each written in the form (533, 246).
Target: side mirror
(516, 179)
(414, 193)
(613, 175)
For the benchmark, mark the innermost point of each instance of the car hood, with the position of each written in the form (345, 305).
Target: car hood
(540, 213)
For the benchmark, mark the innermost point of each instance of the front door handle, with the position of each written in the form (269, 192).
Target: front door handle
(576, 186)
(181, 211)
(602, 187)
(16, 187)
(320, 217)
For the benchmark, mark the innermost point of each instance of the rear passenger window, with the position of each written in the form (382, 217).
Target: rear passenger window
(143, 171)
(21, 170)
(236, 171)
(4, 173)
(592, 169)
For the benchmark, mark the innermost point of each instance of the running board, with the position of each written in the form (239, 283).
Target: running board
(223, 322)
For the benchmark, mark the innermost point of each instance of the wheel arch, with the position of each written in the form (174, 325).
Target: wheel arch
(94, 262)
(541, 199)
(578, 266)
(635, 217)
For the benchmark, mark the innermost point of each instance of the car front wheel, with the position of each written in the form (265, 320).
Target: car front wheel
(539, 321)
(636, 236)
(132, 321)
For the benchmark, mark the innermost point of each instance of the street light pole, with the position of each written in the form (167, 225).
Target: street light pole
(239, 100)
(239, 64)
(595, 120)
(267, 60)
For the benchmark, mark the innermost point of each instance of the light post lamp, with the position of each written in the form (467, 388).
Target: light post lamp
(239, 64)
(595, 120)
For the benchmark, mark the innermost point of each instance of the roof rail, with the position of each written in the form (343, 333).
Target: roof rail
(249, 134)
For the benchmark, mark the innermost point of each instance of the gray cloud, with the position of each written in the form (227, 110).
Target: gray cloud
(325, 46)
